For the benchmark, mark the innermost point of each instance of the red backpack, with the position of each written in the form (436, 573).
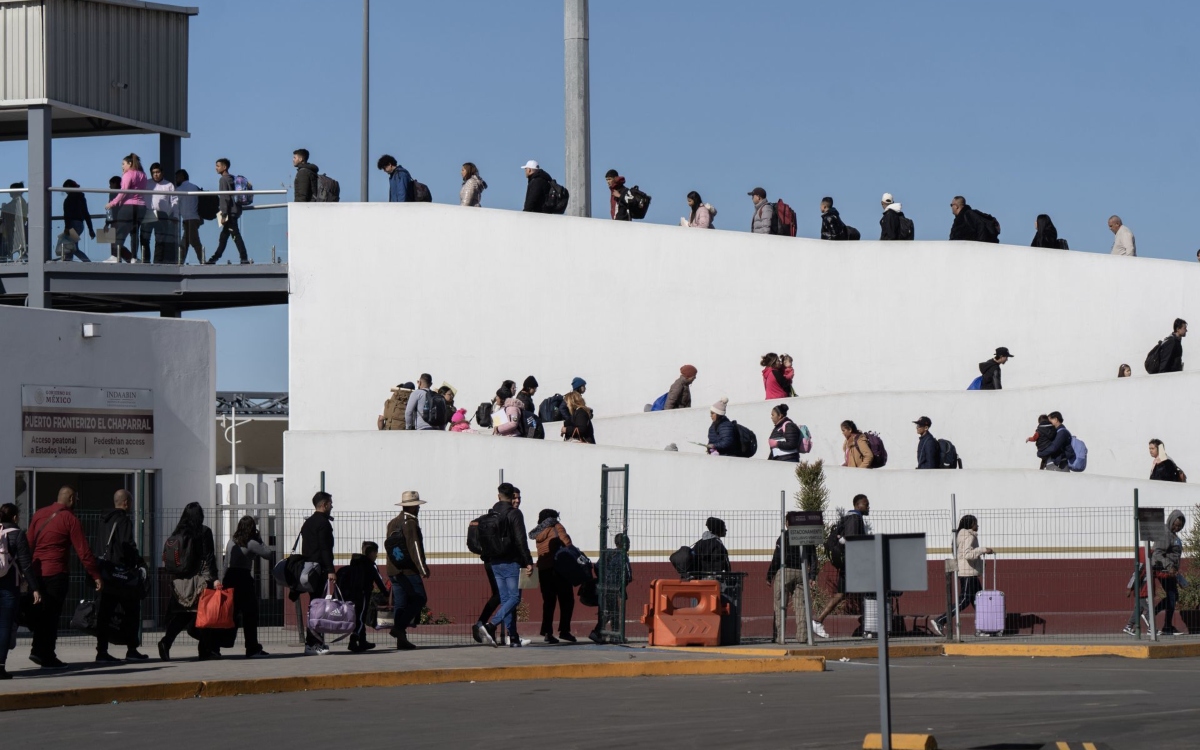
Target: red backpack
(784, 222)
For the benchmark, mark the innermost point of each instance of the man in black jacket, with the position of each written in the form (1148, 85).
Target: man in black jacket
(1170, 353)
(851, 524)
(989, 370)
(116, 547)
(618, 196)
(709, 554)
(538, 189)
(929, 453)
(891, 224)
(972, 225)
(316, 547)
(789, 574)
(305, 189)
(228, 213)
(506, 567)
(832, 227)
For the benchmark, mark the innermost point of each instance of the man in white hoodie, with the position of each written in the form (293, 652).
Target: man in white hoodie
(894, 225)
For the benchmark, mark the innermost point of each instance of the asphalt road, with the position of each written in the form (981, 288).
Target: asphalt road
(966, 703)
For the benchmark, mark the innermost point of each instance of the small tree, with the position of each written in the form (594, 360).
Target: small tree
(813, 495)
(1189, 597)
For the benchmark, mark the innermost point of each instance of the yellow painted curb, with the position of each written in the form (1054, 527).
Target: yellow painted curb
(1049, 650)
(869, 652)
(299, 683)
(901, 742)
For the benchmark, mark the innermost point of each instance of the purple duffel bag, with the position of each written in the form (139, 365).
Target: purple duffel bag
(331, 614)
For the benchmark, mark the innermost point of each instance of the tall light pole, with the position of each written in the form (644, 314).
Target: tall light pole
(578, 107)
(365, 183)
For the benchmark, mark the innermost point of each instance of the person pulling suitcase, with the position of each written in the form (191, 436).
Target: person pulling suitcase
(969, 557)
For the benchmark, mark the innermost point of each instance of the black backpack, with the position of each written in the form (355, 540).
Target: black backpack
(639, 203)
(531, 426)
(747, 441)
(833, 550)
(207, 207)
(907, 229)
(418, 192)
(988, 227)
(483, 415)
(493, 535)
(181, 555)
(434, 410)
(681, 559)
(950, 458)
(852, 233)
(1062, 244)
(328, 190)
(395, 547)
(1152, 358)
(557, 198)
(473, 542)
(550, 409)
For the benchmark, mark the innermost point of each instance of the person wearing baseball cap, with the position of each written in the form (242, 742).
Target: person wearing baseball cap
(894, 225)
(990, 369)
(406, 566)
(680, 394)
(764, 212)
(929, 454)
(538, 189)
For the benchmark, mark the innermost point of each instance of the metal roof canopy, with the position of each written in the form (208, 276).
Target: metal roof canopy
(102, 67)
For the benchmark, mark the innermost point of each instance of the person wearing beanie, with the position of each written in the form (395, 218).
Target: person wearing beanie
(528, 389)
(709, 554)
(722, 434)
(579, 385)
(459, 422)
(785, 438)
(680, 394)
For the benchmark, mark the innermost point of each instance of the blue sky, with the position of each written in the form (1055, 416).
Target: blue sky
(1079, 110)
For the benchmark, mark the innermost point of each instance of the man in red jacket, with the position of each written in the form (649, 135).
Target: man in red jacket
(53, 530)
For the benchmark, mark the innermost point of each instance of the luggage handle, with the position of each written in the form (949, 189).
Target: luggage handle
(995, 587)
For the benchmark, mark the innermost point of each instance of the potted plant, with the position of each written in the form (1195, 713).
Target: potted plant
(1189, 594)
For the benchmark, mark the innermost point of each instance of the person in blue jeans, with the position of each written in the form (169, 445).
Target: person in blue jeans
(406, 567)
(507, 566)
(12, 538)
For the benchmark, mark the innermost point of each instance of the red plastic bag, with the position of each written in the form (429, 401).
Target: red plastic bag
(215, 609)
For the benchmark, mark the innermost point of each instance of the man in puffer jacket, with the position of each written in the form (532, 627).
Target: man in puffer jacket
(832, 227)
(538, 189)
(764, 212)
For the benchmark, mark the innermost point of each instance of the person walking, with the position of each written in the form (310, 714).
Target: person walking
(162, 220)
(189, 215)
(129, 208)
(679, 396)
(53, 532)
(1169, 355)
(357, 582)
(851, 524)
(1163, 469)
(856, 448)
(242, 552)
(1046, 234)
(414, 411)
(968, 557)
(550, 536)
(702, 214)
(408, 573)
(786, 572)
(473, 186)
(832, 226)
(709, 554)
(785, 438)
(722, 434)
(893, 225)
(929, 453)
(1165, 564)
(75, 216)
(399, 180)
(1059, 453)
(777, 375)
(578, 428)
(526, 394)
(989, 370)
(618, 196)
(972, 225)
(116, 547)
(1123, 241)
(16, 546)
(537, 191)
(507, 567)
(228, 212)
(304, 188)
(187, 587)
(764, 212)
(316, 547)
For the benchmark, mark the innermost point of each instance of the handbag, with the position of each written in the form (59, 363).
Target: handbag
(188, 590)
(106, 236)
(330, 614)
(85, 617)
(532, 581)
(215, 609)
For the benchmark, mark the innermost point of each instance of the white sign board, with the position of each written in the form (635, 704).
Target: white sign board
(85, 422)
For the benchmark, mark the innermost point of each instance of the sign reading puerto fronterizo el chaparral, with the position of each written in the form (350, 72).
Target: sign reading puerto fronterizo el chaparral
(64, 421)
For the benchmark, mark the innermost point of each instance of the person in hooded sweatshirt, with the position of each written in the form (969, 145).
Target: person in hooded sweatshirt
(538, 188)
(1047, 234)
(472, 186)
(709, 554)
(618, 196)
(305, 187)
(1163, 468)
(116, 546)
(1165, 564)
(832, 227)
(990, 369)
(890, 224)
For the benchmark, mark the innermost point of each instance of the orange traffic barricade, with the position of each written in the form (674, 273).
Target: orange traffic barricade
(684, 613)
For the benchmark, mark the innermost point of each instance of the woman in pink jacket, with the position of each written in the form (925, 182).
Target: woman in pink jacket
(777, 375)
(129, 208)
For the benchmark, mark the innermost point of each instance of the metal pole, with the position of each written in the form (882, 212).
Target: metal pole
(781, 574)
(322, 481)
(883, 624)
(1151, 615)
(365, 183)
(37, 238)
(954, 557)
(1137, 545)
(808, 618)
(577, 99)
(233, 449)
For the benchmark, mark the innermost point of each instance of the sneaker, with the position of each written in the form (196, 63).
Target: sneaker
(256, 654)
(819, 629)
(367, 645)
(869, 636)
(476, 631)
(936, 627)
(550, 639)
(134, 260)
(596, 637)
(517, 643)
(104, 657)
(164, 651)
(318, 650)
(485, 633)
(111, 259)
(210, 656)
(134, 655)
(1129, 631)
(567, 637)
(1168, 631)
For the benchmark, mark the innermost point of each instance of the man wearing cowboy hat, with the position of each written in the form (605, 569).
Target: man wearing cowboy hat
(406, 567)
(989, 370)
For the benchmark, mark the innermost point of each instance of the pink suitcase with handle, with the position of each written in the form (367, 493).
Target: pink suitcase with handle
(989, 605)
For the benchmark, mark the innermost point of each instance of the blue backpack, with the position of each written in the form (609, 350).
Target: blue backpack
(1079, 449)
(659, 404)
(976, 384)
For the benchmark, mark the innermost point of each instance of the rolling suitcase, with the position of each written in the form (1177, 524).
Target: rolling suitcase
(989, 605)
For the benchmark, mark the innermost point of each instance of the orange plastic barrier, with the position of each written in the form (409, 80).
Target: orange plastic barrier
(684, 613)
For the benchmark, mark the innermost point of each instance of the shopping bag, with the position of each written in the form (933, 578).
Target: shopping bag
(215, 609)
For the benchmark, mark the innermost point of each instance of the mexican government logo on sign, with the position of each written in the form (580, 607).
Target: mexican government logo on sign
(60, 421)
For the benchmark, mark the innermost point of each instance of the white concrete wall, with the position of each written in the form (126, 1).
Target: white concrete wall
(367, 471)
(1115, 418)
(176, 359)
(381, 293)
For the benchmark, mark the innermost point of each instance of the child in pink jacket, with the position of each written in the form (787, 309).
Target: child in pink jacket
(459, 422)
(777, 375)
